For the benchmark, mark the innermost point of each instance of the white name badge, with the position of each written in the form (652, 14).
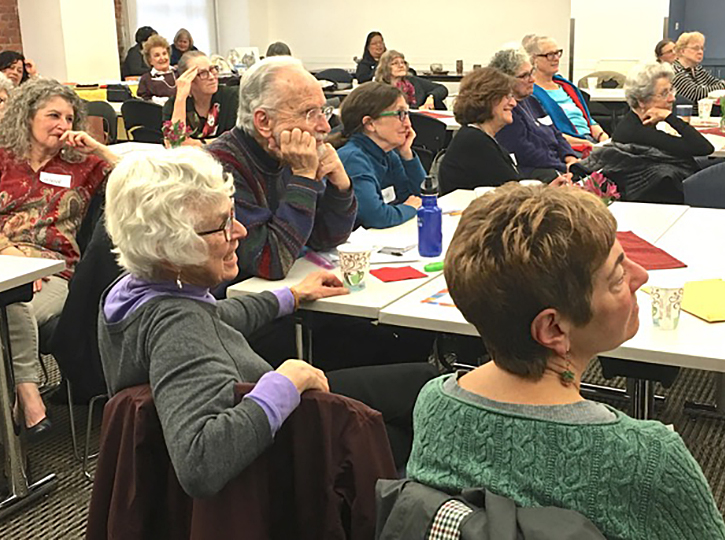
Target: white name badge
(513, 158)
(58, 180)
(389, 194)
(545, 120)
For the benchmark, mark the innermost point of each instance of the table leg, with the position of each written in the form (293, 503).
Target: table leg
(20, 491)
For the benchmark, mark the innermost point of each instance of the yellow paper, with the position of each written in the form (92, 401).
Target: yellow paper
(705, 299)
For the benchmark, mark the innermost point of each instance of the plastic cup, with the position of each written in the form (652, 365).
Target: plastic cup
(592, 82)
(354, 265)
(704, 108)
(684, 112)
(666, 303)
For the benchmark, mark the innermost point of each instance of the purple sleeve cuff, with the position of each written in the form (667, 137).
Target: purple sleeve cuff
(277, 397)
(286, 301)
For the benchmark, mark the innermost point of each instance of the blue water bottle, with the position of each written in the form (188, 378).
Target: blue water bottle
(430, 217)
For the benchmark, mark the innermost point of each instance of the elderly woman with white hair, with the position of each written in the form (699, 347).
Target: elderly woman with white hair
(692, 80)
(205, 108)
(650, 94)
(170, 216)
(540, 149)
(49, 170)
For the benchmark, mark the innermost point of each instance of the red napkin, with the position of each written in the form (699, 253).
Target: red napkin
(645, 254)
(712, 131)
(388, 273)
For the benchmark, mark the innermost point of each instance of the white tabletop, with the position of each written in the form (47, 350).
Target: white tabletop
(648, 221)
(126, 148)
(17, 271)
(606, 94)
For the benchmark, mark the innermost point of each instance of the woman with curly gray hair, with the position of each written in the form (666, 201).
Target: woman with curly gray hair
(49, 170)
(650, 94)
(6, 88)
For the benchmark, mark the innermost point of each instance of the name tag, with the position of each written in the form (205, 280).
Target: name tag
(513, 158)
(389, 194)
(58, 180)
(545, 120)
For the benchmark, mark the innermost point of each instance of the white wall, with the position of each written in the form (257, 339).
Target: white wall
(617, 34)
(325, 33)
(70, 40)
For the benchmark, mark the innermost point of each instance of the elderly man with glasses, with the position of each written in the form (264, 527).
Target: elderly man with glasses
(540, 149)
(291, 189)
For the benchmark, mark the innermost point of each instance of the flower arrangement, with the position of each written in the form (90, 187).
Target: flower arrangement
(601, 186)
(175, 133)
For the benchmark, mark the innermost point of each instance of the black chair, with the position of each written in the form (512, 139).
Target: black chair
(604, 116)
(430, 137)
(142, 114)
(147, 135)
(341, 77)
(104, 110)
(706, 188)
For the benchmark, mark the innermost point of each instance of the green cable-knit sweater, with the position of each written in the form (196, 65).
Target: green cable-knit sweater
(634, 479)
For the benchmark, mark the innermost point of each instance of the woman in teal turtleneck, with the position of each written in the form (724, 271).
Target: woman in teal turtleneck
(385, 173)
(540, 274)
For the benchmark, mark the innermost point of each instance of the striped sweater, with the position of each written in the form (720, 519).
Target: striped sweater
(281, 212)
(695, 83)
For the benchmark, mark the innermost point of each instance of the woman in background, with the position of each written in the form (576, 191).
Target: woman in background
(374, 49)
(15, 67)
(693, 81)
(665, 51)
(183, 43)
(161, 80)
(419, 93)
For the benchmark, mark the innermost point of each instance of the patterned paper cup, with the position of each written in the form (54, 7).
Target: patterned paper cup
(666, 303)
(354, 265)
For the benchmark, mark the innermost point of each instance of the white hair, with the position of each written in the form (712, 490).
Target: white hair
(640, 84)
(257, 88)
(6, 84)
(532, 44)
(154, 201)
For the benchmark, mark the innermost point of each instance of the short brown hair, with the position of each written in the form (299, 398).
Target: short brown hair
(368, 99)
(479, 92)
(519, 250)
(153, 42)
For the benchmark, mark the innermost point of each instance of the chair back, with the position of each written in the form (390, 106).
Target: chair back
(706, 188)
(324, 462)
(139, 113)
(430, 137)
(605, 79)
(108, 116)
(147, 135)
(337, 75)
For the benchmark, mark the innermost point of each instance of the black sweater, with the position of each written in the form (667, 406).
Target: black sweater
(365, 70)
(475, 159)
(689, 144)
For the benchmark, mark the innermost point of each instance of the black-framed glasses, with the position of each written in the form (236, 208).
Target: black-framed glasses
(226, 228)
(551, 56)
(528, 75)
(402, 114)
(205, 74)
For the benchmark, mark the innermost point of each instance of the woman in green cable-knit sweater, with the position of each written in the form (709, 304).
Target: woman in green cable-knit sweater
(540, 274)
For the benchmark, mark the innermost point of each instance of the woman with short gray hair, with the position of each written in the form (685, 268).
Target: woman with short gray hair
(651, 95)
(170, 215)
(49, 170)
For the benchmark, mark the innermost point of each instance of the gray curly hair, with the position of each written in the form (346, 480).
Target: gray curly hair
(509, 60)
(6, 85)
(16, 124)
(639, 87)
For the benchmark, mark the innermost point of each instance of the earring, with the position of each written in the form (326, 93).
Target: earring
(567, 376)
(178, 281)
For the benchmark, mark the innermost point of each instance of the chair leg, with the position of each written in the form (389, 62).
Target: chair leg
(89, 425)
(72, 419)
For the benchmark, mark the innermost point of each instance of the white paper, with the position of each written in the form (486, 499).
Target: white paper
(58, 180)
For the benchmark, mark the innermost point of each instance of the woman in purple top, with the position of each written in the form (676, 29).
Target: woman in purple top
(170, 216)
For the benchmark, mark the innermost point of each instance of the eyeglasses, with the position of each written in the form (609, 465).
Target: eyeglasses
(697, 48)
(551, 56)
(226, 228)
(402, 114)
(205, 74)
(314, 115)
(399, 63)
(667, 92)
(527, 75)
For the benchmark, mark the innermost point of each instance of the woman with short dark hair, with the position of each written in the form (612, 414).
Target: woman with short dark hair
(540, 274)
(12, 65)
(385, 172)
(484, 105)
(134, 65)
(374, 49)
(665, 51)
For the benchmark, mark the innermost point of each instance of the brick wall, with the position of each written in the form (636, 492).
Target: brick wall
(119, 7)
(10, 26)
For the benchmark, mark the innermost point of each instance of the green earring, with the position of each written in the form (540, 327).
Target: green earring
(567, 376)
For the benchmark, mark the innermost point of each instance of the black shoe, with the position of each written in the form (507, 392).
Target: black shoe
(40, 430)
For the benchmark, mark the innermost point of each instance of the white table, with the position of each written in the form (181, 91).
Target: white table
(17, 273)
(611, 95)
(126, 148)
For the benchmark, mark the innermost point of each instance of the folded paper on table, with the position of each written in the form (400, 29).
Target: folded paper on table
(705, 299)
(645, 254)
(388, 274)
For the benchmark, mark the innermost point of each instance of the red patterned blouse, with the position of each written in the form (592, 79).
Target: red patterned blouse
(40, 212)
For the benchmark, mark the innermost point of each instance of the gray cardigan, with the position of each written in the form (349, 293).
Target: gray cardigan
(192, 353)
